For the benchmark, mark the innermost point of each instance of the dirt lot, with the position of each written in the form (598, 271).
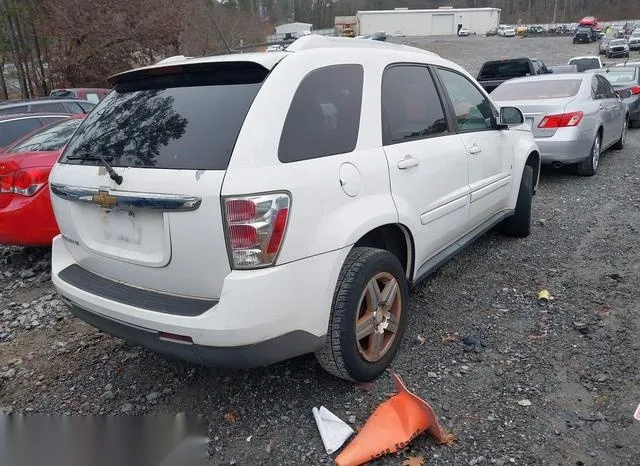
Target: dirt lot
(575, 360)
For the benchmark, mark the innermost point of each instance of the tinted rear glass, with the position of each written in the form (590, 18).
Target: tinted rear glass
(53, 107)
(51, 138)
(186, 121)
(536, 90)
(505, 69)
(13, 130)
(584, 64)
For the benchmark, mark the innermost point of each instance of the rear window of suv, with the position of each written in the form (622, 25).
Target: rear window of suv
(183, 120)
(505, 69)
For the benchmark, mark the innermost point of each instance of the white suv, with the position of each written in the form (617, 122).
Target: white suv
(240, 210)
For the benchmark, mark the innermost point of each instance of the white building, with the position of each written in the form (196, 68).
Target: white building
(443, 21)
(293, 28)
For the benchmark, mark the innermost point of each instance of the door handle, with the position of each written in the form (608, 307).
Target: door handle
(475, 149)
(407, 162)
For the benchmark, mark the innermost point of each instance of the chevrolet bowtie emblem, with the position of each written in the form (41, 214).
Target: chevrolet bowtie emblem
(104, 199)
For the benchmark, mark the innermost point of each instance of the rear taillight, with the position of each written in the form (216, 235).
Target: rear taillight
(24, 182)
(255, 228)
(635, 90)
(561, 120)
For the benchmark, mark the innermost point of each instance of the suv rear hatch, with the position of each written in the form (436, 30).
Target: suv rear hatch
(167, 134)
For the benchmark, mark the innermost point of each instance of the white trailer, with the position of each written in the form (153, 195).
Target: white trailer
(442, 21)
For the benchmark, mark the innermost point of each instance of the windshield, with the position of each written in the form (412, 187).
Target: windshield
(505, 69)
(618, 42)
(620, 76)
(49, 138)
(584, 64)
(536, 90)
(186, 121)
(584, 29)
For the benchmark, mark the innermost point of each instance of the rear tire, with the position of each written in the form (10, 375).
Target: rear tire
(519, 224)
(623, 136)
(589, 166)
(360, 301)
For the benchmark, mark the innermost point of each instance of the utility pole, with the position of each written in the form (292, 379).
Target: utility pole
(555, 9)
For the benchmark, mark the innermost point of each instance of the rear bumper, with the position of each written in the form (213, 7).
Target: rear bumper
(27, 221)
(237, 357)
(262, 316)
(567, 146)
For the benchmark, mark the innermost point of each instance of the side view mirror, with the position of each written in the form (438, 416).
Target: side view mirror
(510, 116)
(625, 94)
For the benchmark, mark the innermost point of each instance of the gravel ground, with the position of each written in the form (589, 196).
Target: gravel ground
(573, 360)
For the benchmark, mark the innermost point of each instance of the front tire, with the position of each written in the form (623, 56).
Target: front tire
(519, 224)
(368, 316)
(589, 166)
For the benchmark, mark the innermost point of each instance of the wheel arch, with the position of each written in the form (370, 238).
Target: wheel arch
(395, 238)
(533, 160)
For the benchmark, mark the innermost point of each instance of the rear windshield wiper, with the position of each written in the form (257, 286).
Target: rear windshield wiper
(102, 159)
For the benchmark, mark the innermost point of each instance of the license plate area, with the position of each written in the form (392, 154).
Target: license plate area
(137, 236)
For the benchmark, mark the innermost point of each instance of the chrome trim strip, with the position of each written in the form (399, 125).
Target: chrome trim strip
(113, 199)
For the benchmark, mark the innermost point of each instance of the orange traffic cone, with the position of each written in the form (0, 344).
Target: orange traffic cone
(392, 426)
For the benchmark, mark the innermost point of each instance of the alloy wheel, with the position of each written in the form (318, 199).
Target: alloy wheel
(378, 317)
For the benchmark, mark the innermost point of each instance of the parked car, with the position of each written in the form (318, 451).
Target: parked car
(618, 48)
(495, 72)
(603, 46)
(464, 32)
(584, 35)
(26, 217)
(380, 36)
(14, 127)
(586, 63)
(521, 30)
(168, 244)
(492, 32)
(563, 69)
(47, 105)
(625, 78)
(573, 117)
(93, 95)
(634, 40)
(536, 30)
(508, 31)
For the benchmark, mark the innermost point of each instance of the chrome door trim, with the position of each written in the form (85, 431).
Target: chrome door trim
(122, 199)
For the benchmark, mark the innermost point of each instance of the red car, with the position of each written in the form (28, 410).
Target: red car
(26, 216)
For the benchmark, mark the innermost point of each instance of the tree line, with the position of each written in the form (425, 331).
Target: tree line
(47, 44)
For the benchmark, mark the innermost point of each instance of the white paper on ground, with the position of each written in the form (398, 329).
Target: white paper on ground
(637, 413)
(333, 430)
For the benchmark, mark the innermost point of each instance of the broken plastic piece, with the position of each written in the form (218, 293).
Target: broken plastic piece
(392, 426)
(544, 296)
(333, 430)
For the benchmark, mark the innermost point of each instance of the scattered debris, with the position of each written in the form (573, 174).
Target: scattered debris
(603, 312)
(269, 446)
(432, 375)
(581, 326)
(637, 413)
(473, 343)
(524, 402)
(414, 461)
(333, 430)
(450, 338)
(544, 296)
(392, 426)
(231, 417)
(422, 340)
(616, 276)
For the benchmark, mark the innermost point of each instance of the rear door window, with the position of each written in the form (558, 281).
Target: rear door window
(411, 107)
(48, 139)
(13, 130)
(178, 121)
(54, 107)
(324, 116)
(13, 110)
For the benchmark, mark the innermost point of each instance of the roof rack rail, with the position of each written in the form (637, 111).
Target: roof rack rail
(314, 41)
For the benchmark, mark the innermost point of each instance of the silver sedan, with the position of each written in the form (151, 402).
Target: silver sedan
(573, 117)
